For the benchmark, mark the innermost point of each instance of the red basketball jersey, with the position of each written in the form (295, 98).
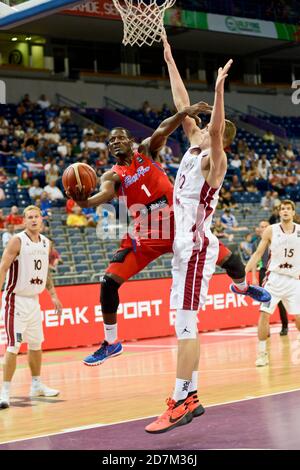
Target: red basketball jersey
(145, 182)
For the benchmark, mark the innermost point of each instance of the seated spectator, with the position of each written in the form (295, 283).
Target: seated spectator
(289, 179)
(24, 181)
(43, 102)
(45, 204)
(76, 149)
(269, 137)
(246, 248)
(89, 130)
(146, 108)
(2, 220)
(263, 167)
(236, 184)
(8, 234)
(230, 222)
(14, 218)
(53, 192)
(5, 152)
(3, 175)
(289, 151)
(54, 257)
(77, 218)
(55, 122)
(19, 133)
(275, 218)
(64, 148)
(236, 163)
(3, 126)
(266, 201)
(65, 114)
(219, 230)
(29, 153)
(228, 201)
(91, 215)
(69, 206)
(2, 194)
(35, 190)
(52, 174)
(27, 103)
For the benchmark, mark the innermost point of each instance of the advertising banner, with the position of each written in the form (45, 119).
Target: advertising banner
(95, 8)
(143, 312)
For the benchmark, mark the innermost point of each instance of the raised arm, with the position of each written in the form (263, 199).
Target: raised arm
(216, 127)
(179, 92)
(109, 184)
(263, 245)
(169, 125)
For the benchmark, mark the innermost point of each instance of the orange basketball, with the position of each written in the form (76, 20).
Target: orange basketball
(79, 176)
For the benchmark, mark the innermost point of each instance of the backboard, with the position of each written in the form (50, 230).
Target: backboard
(16, 12)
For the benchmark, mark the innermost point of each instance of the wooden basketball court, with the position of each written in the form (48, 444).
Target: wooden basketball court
(133, 387)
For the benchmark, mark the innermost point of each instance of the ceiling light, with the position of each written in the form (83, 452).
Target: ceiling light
(14, 39)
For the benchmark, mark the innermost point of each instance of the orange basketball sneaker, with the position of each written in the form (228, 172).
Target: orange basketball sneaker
(194, 406)
(177, 414)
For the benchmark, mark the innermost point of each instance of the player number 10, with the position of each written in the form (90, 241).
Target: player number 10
(144, 187)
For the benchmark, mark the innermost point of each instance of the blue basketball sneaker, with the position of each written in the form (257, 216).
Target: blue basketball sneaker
(104, 352)
(255, 292)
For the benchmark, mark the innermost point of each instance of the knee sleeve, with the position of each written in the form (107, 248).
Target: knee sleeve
(186, 324)
(109, 297)
(234, 267)
(35, 346)
(14, 349)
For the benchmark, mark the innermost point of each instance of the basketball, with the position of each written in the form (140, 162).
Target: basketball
(79, 176)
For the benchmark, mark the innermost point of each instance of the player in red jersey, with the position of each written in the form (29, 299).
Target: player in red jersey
(149, 198)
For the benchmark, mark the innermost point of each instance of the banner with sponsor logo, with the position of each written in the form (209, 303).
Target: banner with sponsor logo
(143, 313)
(197, 20)
(95, 8)
(245, 26)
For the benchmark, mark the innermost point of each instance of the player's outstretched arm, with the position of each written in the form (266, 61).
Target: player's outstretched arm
(218, 160)
(169, 125)
(263, 245)
(109, 181)
(179, 92)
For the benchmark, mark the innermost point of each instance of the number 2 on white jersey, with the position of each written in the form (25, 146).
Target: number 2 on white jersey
(144, 187)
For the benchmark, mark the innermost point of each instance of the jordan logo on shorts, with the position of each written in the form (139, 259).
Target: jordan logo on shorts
(185, 331)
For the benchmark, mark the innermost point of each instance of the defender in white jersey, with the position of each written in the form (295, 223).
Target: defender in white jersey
(197, 186)
(283, 272)
(25, 264)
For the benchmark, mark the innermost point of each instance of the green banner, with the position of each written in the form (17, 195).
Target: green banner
(186, 19)
(230, 24)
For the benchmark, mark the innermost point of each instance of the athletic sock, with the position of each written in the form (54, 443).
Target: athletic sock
(262, 346)
(194, 383)
(6, 387)
(111, 332)
(181, 389)
(241, 285)
(36, 380)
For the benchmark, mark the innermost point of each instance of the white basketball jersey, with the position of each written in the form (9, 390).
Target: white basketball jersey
(194, 200)
(285, 251)
(27, 275)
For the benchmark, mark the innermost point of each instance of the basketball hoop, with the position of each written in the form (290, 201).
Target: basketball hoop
(143, 20)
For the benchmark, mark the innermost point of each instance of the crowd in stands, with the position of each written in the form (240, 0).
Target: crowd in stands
(39, 140)
(284, 11)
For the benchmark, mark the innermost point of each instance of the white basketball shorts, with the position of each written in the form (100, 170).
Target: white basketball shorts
(284, 288)
(192, 270)
(22, 319)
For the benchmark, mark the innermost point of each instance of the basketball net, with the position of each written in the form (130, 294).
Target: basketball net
(143, 20)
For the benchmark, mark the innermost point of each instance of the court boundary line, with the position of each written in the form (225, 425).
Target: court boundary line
(101, 425)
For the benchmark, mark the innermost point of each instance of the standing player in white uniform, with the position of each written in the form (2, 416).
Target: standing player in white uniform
(283, 272)
(196, 250)
(25, 264)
